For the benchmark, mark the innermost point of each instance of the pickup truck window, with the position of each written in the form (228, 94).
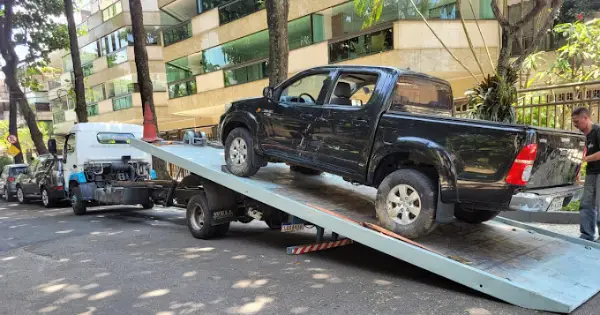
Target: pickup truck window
(421, 96)
(306, 90)
(70, 145)
(353, 89)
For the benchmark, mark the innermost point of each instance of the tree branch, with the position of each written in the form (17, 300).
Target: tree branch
(472, 48)
(537, 39)
(498, 14)
(487, 49)
(538, 7)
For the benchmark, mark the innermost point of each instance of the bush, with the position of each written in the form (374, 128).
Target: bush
(5, 160)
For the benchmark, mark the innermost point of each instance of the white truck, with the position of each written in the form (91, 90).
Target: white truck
(101, 168)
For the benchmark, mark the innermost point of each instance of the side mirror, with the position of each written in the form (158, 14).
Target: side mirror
(52, 146)
(268, 92)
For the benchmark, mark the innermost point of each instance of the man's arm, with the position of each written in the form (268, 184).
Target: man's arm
(592, 158)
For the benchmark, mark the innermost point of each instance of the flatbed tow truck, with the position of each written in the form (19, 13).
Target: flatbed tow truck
(519, 264)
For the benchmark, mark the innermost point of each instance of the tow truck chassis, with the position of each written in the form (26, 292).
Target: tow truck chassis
(514, 262)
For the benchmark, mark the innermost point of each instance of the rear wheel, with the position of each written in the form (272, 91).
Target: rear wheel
(199, 219)
(8, 195)
(21, 196)
(46, 201)
(406, 203)
(304, 170)
(239, 153)
(77, 202)
(474, 216)
(148, 205)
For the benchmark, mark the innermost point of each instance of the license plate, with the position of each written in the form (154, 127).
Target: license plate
(556, 204)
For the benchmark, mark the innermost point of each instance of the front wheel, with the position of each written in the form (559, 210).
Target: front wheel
(239, 153)
(406, 203)
(474, 216)
(77, 202)
(21, 196)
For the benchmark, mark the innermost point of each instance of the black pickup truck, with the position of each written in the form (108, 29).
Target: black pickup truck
(393, 130)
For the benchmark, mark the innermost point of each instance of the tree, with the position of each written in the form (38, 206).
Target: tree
(34, 26)
(143, 73)
(80, 104)
(572, 9)
(277, 24)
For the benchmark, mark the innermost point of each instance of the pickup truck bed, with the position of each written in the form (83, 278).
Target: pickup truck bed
(513, 262)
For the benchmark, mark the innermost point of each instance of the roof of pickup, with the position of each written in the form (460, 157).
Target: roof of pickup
(399, 71)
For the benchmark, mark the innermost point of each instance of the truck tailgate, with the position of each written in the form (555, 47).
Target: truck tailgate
(558, 158)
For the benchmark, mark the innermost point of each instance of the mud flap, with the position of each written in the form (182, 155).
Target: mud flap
(222, 203)
(444, 212)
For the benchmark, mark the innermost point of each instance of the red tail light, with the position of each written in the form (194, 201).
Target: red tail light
(11, 179)
(520, 172)
(58, 187)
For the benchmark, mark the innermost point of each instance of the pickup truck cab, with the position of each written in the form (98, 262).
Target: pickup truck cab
(393, 130)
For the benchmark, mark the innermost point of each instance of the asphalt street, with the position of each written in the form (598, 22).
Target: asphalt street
(131, 261)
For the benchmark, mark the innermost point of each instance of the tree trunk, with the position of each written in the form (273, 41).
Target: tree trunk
(80, 105)
(277, 23)
(12, 128)
(143, 74)
(11, 59)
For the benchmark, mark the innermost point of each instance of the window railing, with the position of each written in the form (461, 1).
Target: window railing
(92, 109)
(238, 9)
(245, 74)
(182, 88)
(123, 102)
(177, 33)
(117, 57)
(362, 45)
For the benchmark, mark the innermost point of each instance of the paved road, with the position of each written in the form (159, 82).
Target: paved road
(145, 262)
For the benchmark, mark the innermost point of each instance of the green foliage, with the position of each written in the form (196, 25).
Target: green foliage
(36, 26)
(23, 134)
(32, 77)
(579, 59)
(493, 99)
(369, 10)
(572, 8)
(5, 160)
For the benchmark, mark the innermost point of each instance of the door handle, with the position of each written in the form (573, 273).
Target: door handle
(306, 116)
(360, 122)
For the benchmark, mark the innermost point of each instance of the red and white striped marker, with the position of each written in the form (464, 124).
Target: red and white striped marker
(303, 249)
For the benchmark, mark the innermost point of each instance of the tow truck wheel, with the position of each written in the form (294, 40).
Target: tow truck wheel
(239, 153)
(77, 202)
(406, 203)
(304, 170)
(199, 219)
(474, 216)
(148, 205)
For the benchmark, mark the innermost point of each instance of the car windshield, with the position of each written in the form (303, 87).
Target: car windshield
(14, 171)
(114, 138)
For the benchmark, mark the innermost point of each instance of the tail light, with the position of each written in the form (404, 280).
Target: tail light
(520, 172)
(11, 179)
(58, 187)
(578, 177)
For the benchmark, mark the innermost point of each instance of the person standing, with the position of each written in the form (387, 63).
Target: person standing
(588, 212)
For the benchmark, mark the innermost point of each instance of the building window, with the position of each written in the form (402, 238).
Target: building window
(117, 57)
(92, 109)
(246, 74)
(67, 63)
(121, 86)
(152, 36)
(181, 89)
(238, 9)
(177, 33)
(122, 102)
(95, 94)
(184, 68)
(362, 45)
(115, 41)
(112, 11)
(205, 5)
(89, 52)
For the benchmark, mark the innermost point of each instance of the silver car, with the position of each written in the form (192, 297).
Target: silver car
(8, 177)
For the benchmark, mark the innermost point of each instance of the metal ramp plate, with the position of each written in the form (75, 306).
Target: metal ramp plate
(513, 262)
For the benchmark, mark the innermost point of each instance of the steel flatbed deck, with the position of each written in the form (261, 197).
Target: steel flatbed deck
(513, 262)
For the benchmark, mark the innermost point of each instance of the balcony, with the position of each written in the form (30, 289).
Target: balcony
(177, 33)
(238, 9)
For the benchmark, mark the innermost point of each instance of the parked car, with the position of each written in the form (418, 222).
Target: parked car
(393, 130)
(8, 185)
(41, 181)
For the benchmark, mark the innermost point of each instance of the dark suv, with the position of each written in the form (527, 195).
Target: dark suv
(41, 181)
(8, 177)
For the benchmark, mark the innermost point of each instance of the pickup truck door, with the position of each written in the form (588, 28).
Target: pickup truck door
(349, 118)
(291, 122)
(27, 179)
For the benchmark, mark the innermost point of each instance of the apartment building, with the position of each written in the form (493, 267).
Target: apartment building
(218, 50)
(107, 57)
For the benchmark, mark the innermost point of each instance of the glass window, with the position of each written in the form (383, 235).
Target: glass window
(112, 11)
(114, 138)
(306, 90)
(184, 68)
(70, 144)
(238, 9)
(177, 33)
(181, 89)
(92, 109)
(205, 5)
(419, 95)
(122, 103)
(152, 36)
(121, 86)
(159, 82)
(95, 94)
(89, 52)
(87, 69)
(15, 171)
(117, 57)
(353, 89)
(361, 45)
(247, 74)
(67, 63)
(33, 166)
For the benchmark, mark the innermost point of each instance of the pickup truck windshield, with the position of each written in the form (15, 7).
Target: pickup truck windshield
(114, 138)
(421, 96)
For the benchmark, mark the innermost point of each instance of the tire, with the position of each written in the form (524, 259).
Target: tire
(239, 153)
(46, 200)
(21, 196)
(474, 216)
(419, 194)
(77, 202)
(148, 205)
(275, 220)
(245, 219)
(198, 217)
(221, 229)
(7, 195)
(304, 170)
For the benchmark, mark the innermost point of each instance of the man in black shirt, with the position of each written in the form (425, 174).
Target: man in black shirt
(591, 193)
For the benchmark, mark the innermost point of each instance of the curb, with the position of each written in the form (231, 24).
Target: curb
(554, 217)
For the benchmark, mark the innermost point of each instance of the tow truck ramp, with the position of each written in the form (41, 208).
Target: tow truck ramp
(511, 261)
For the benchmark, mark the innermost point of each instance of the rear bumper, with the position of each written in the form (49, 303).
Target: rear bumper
(540, 200)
